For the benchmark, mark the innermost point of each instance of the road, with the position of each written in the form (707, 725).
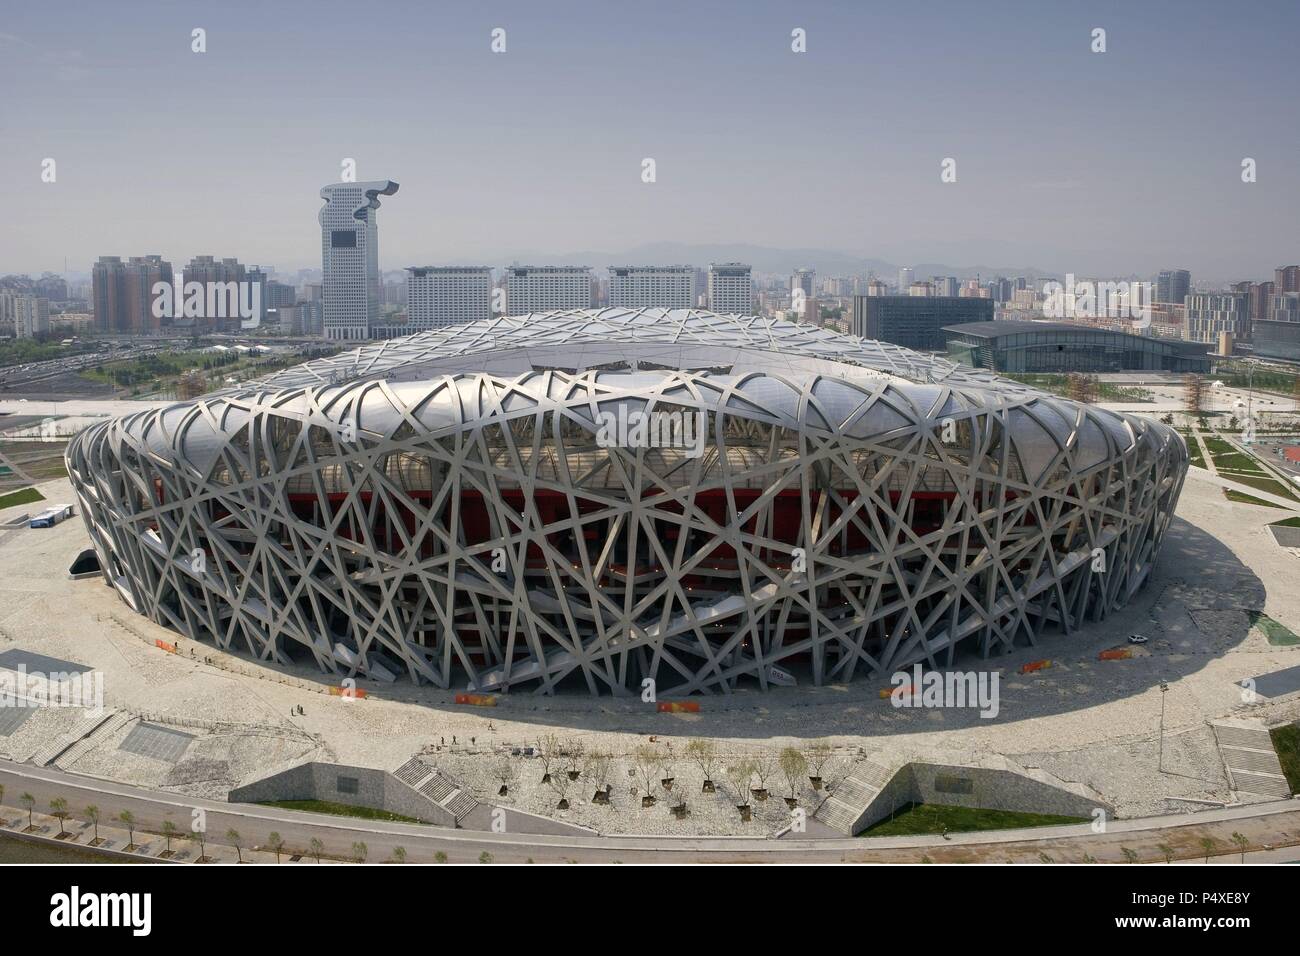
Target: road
(1274, 825)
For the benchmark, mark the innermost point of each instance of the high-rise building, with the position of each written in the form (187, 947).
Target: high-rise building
(31, 316)
(439, 296)
(350, 257)
(122, 293)
(1173, 285)
(278, 294)
(906, 276)
(209, 270)
(731, 288)
(1278, 336)
(1284, 307)
(1286, 279)
(805, 279)
(301, 318)
(1260, 295)
(668, 287)
(108, 292)
(546, 288)
(1210, 313)
(945, 285)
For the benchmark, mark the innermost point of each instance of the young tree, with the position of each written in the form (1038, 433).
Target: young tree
(440, 857)
(764, 766)
(1166, 851)
(237, 841)
(59, 810)
(92, 814)
(597, 772)
(1241, 844)
(574, 753)
(504, 771)
(739, 776)
(399, 854)
(794, 766)
(275, 843)
(1193, 394)
(560, 783)
(360, 851)
(168, 832)
(548, 748)
(127, 819)
(819, 758)
(1130, 856)
(647, 762)
(1207, 844)
(316, 848)
(29, 804)
(704, 754)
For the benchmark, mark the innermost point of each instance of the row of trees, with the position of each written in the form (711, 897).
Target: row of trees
(58, 808)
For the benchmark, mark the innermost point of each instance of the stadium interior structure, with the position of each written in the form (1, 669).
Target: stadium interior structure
(441, 508)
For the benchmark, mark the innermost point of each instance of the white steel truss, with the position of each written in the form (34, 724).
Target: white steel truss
(439, 507)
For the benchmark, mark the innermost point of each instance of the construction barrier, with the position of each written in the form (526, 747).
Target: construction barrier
(477, 700)
(678, 707)
(1032, 666)
(347, 692)
(169, 648)
(905, 692)
(1115, 654)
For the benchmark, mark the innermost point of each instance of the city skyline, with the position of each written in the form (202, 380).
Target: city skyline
(1043, 139)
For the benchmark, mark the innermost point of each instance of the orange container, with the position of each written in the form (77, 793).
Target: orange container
(169, 648)
(678, 707)
(356, 692)
(1115, 654)
(1032, 666)
(477, 700)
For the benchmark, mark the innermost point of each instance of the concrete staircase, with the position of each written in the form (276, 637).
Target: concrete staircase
(437, 786)
(852, 795)
(79, 732)
(100, 734)
(1251, 761)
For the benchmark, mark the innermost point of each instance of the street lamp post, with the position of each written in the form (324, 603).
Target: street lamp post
(1249, 437)
(1160, 762)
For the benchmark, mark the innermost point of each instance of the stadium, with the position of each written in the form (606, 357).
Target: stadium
(481, 508)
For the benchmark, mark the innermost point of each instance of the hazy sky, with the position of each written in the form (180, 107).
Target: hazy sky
(1126, 161)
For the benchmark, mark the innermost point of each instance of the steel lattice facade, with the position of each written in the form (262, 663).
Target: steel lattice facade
(442, 507)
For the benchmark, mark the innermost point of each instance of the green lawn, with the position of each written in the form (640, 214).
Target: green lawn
(340, 810)
(1245, 499)
(1260, 483)
(1059, 384)
(925, 818)
(1279, 635)
(1286, 741)
(23, 496)
(1288, 523)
